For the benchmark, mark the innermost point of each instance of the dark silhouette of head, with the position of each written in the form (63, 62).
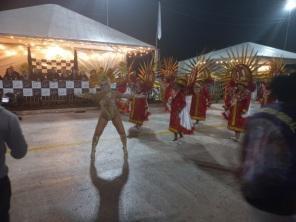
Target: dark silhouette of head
(284, 88)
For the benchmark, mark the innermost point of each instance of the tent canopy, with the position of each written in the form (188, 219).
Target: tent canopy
(262, 50)
(56, 22)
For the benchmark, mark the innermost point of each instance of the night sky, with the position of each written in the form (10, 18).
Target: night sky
(189, 26)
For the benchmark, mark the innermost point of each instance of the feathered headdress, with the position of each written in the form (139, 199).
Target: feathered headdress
(169, 69)
(147, 75)
(241, 66)
(199, 69)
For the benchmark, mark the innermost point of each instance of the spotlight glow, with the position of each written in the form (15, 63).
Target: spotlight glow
(290, 5)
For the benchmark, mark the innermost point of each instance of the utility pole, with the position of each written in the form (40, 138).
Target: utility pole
(287, 30)
(107, 9)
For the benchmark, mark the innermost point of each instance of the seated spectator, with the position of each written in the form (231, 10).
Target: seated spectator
(69, 75)
(64, 74)
(25, 76)
(83, 76)
(11, 74)
(38, 75)
(50, 76)
(93, 76)
(44, 77)
(55, 74)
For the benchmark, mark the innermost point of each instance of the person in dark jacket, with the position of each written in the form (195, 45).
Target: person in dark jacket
(268, 170)
(11, 137)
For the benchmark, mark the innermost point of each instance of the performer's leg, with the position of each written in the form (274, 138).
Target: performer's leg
(138, 125)
(117, 122)
(237, 136)
(175, 137)
(181, 134)
(102, 122)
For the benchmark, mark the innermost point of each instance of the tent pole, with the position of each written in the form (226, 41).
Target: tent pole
(30, 61)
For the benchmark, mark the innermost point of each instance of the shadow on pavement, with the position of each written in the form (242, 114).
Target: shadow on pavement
(109, 191)
(195, 153)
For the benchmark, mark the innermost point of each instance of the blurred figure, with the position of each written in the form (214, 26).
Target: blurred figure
(83, 76)
(25, 76)
(55, 75)
(139, 105)
(239, 106)
(64, 74)
(10, 136)
(268, 171)
(177, 106)
(94, 77)
(39, 75)
(11, 74)
(200, 101)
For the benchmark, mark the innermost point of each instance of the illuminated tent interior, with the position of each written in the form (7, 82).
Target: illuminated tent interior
(47, 36)
(264, 53)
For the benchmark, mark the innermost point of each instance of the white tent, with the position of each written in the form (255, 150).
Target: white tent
(54, 33)
(56, 22)
(263, 52)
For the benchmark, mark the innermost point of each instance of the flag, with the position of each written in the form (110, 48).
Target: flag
(159, 34)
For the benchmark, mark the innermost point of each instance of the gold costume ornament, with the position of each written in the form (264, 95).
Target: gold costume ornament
(169, 68)
(147, 74)
(199, 69)
(240, 66)
(240, 69)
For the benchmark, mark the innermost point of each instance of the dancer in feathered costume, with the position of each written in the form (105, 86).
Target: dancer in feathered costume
(139, 104)
(168, 72)
(123, 75)
(276, 68)
(201, 100)
(199, 78)
(180, 122)
(241, 70)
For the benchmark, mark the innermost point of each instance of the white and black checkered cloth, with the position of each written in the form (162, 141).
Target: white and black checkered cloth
(44, 65)
(45, 88)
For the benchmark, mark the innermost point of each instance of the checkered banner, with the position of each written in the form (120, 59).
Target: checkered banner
(44, 65)
(45, 88)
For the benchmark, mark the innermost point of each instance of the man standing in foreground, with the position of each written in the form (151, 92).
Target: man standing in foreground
(268, 171)
(10, 136)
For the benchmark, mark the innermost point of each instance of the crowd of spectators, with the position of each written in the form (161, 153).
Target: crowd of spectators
(51, 75)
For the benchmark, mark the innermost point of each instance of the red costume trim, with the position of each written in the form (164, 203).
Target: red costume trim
(200, 104)
(139, 110)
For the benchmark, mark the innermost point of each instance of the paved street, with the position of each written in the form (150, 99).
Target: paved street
(162, 180)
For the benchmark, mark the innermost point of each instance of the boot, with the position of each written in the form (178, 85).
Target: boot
(175, 137)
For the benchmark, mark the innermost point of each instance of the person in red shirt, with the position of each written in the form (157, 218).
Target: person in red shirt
(139, 105)
(123, 103)
(239, 106)
(265, 98)
(228, 93)
(200, 101)
(178, 103)
(168, 93)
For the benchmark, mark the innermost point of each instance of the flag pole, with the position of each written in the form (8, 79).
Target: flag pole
(158, 35)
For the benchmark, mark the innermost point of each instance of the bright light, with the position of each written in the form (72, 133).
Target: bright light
(264, 68)
(290, 5)
(10, 53)
(55, 52)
